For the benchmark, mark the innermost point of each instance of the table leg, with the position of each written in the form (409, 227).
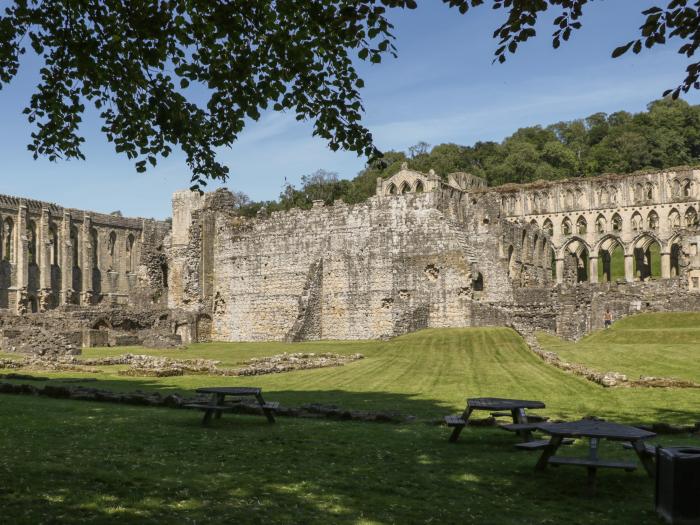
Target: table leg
(520, 417)
(646, 459)
(218, 400)
(456, 431)
(207, 417)
(548, 452)
(591, 479)
(268, 413)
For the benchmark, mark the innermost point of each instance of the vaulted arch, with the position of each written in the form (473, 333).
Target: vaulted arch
(392, 189)
(611, 258)
(419, 187)
(691, 217)
(646, 249)
(578, 251)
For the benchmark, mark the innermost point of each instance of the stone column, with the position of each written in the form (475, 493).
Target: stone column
(629, 267)
(665, 265)
(593, 269)
(43, 247)
(87, 263)
(559, 267)
(21, 260)
(66, 258)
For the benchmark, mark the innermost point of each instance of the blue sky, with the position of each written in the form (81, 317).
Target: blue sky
(442, 88)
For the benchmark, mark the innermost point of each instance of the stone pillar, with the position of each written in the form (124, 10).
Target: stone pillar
(66, 258)
(629, 267)
(43, 247)
(665, 265)
(593, 269)
(559, 270)
(22, 260)
(87, 263)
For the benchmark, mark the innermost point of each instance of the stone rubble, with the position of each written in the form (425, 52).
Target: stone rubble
(606, 379)
(155, 366)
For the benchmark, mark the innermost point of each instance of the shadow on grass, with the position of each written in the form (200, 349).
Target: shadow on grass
(81, 462)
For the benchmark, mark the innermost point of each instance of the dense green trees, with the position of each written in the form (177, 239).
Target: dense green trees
(666, 135)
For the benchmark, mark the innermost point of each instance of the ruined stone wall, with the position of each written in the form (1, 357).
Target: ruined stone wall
(51, 256)
(590, 218)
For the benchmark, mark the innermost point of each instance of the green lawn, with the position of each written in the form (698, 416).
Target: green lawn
(664, 344)
(80, 462)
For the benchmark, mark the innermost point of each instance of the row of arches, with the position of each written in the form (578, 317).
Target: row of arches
(610, 259)
(406, 187)
(638, 223)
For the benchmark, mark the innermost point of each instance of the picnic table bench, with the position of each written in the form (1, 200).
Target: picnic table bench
(217, 404)
(498, 406)
(595, 430)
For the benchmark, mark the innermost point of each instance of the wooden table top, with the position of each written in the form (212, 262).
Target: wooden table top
(595, 429)
(497, 403)
(231, 391)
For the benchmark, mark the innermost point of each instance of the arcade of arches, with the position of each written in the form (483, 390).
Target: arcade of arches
(608, 229)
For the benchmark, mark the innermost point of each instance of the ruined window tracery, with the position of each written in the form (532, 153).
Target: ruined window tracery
(392, 189)
(75, 245)
(649, 191)
(53, 245)
(687, 188)
(7, 235)
(653, 221)
(130, 253)
(674, 219)
(617, 223)
(581, 226)
(94, 247)
(419, 187)
(31, 242)
(405, 188)
(566, 227)
(548, 227)
(691, 217)
(637, 222)
(111, 247)
(601, 224)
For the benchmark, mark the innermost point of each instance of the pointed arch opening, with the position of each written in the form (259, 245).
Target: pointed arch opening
(601, 225)
(691, 217)
(31, 243)
(130, 253)
(566, 227)
(405, 188)
(674, 219)
(617, 223)
(637, 222)
(653, 221)
(548, 227)
(392, 189)
(419, 187)
(611, 260)
(581, 226)
(647, 258)
(8, 230)
(576, 261)
(675, 260)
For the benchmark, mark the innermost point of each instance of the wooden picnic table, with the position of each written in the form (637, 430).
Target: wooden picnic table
(218, 404)
(595, 430)
(516, 407)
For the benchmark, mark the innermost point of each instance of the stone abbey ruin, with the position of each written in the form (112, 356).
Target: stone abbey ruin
(422, 252)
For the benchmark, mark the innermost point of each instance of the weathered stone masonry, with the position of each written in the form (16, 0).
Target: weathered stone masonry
(428, 253)
(52, 256)
(422, 252)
